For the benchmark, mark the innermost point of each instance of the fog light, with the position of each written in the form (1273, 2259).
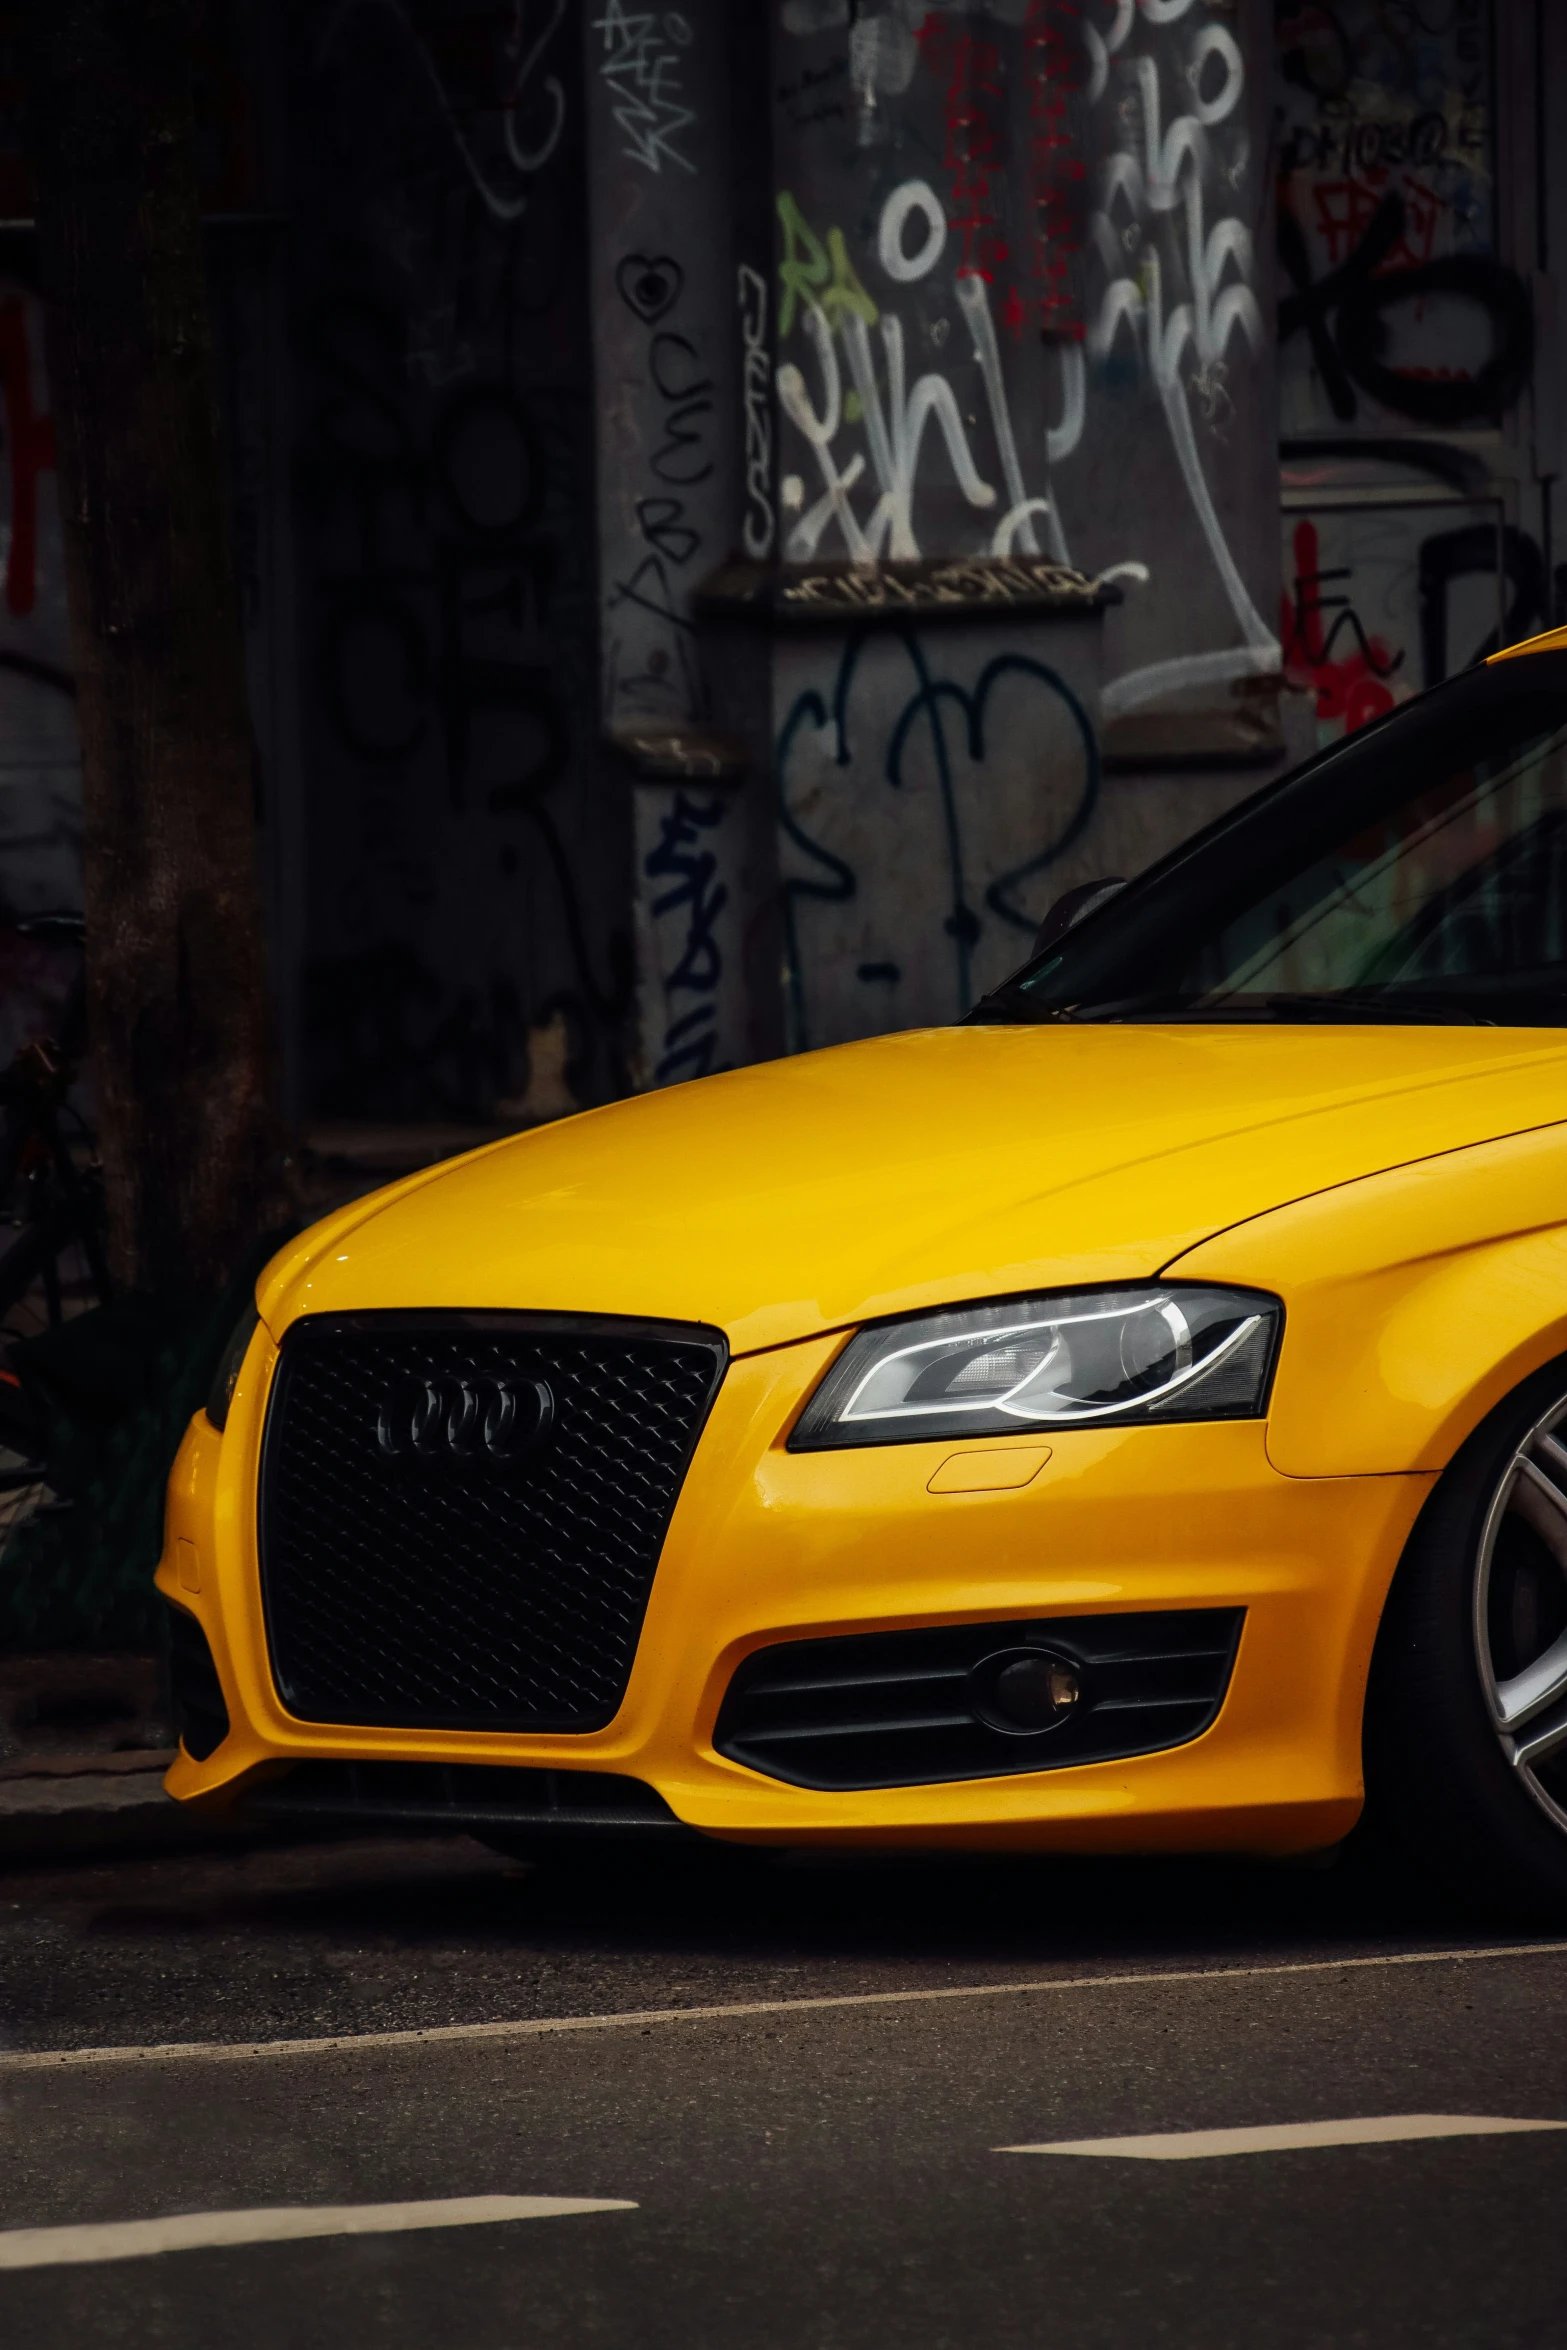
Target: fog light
(1025, 1689)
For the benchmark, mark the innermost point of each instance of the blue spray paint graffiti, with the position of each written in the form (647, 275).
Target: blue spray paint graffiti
(940, 703)
(679, 854)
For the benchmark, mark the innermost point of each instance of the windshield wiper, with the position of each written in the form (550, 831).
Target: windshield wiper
(1512, 1007)
(1358, 1004)
(1374, 1003)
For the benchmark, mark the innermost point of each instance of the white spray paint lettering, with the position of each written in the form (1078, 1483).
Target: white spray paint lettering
(642, 63)
(758, 529)
(911, 239)
(1153, 191)
(1165, 185)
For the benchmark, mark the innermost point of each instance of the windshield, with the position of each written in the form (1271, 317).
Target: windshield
(1418, 871)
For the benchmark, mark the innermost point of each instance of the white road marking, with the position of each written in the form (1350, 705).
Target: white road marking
(1382, 2129)
(637, 2019)
(194, 2231)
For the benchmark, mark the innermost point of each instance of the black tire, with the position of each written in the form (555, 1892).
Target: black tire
(1461, 1767)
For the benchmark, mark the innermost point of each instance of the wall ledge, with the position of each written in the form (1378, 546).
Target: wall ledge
(965, 587)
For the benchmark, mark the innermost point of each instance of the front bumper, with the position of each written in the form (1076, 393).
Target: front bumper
(768, 1546)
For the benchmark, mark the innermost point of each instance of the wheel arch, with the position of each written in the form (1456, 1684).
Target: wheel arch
(1434, 1770)
(1416, 1301)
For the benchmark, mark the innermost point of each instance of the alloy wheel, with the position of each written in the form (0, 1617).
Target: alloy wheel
(1520, 1611)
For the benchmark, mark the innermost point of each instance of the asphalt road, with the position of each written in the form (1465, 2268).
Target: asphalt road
(804, 2175)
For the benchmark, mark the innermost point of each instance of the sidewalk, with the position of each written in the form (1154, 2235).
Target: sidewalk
(89, 1803)
(84, 1745)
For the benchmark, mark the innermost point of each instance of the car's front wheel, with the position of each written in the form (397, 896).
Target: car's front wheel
(1466, 1727)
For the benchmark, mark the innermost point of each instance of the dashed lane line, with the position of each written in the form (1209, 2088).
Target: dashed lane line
(1380, 2129)
(633, 2019)
(197, 2231)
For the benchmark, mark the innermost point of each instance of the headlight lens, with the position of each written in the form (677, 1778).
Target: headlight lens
(1166, 1352)
(226, 1377)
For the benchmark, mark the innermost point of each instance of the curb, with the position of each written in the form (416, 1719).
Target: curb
(104, 1805)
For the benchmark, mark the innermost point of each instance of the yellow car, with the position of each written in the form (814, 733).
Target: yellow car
(1126, 1421)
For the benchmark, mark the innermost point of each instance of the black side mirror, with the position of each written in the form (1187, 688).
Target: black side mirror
(1071, 907)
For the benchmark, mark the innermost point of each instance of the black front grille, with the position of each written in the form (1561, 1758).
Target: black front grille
(446, 1584)
(898, 1709)
(466, 1795)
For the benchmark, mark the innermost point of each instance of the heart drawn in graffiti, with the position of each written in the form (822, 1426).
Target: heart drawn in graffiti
(649, 284)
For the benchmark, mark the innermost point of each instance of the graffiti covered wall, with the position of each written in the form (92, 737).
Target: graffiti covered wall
(674, 454)
(932, 780)
(535, 317)
(1022, 316)
(468, 950)
(1406, 346)
(1395, 309)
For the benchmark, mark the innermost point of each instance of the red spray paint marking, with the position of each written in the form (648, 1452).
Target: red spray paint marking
(974, 151)
(1056, 171)
(1354, 688)
(1345, 209)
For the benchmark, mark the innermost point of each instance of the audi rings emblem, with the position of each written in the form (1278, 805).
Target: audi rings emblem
(465, 1419)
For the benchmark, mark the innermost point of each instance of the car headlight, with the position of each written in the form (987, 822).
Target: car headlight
(226, 1377)
(1163, 1352)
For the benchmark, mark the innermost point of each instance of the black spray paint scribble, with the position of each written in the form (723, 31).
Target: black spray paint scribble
(935, 704)
(653, 670)
(432, 560)
(1346, 314)
(684, 855)
(1470, 551)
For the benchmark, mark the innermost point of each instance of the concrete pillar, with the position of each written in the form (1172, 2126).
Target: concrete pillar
(1023, 399)
(667, 174)
(1005, 540)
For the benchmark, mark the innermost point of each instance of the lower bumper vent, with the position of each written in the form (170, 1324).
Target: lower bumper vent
(200, 1716)
(977, 1701)
(465, 1795)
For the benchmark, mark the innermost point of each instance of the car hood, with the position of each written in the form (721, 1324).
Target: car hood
(917, 1170)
